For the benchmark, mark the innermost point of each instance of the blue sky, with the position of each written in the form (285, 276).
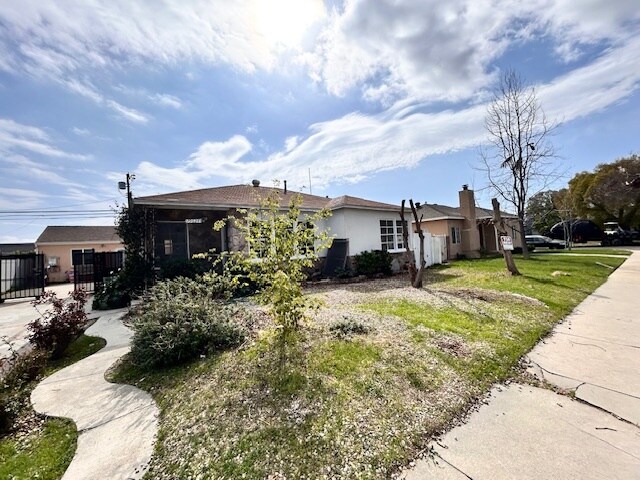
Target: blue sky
(375, 98)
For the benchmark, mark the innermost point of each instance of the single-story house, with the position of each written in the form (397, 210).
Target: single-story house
(184, 220)
(469, 229)
(14, 248)
(61, 245)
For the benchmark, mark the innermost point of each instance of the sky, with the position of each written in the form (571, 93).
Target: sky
(381, 99)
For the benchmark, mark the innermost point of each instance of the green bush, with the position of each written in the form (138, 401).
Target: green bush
(20, 371)
(347, 327)
(115, 293)
(373, 263)
(183, 319)
(192, 268)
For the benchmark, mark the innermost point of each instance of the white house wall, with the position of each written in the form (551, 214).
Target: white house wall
(361, 227)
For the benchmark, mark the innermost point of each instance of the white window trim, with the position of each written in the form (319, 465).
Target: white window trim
(397, 238)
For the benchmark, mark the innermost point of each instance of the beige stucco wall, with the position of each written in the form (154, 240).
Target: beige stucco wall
(63, 252)
(443, 227)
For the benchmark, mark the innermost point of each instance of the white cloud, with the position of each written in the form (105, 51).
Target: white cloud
(81, 132)
(166, 100)
(433, 50)
(356, 145)
(16, 138)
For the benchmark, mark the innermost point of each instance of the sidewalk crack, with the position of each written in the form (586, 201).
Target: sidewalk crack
(453, 466)
(115, 418)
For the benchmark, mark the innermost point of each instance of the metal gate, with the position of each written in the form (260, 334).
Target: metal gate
(21, 276)
(90, 269)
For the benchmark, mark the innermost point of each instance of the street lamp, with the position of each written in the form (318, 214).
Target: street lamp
(127, 186)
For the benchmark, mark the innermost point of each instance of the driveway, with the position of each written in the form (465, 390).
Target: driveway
(15, 315)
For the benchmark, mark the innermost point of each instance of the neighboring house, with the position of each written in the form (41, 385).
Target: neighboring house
(61, 245)
(13, 248)
(469, 229)
(184, 220)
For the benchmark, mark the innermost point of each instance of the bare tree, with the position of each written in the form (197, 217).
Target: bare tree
(416, 273)
(518, 159)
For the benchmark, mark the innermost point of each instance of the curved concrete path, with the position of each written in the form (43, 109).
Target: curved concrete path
(117, 423)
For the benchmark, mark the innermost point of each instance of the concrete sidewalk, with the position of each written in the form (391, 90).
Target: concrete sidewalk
(117, 423)
(525, 432)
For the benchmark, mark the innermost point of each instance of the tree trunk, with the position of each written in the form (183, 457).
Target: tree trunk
(525, 249)
(502, 231)
(417, 283)
(411, 259)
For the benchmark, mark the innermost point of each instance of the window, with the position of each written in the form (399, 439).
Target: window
(306, 245)
(455, 235)
(391, 234)
(54, 261)
(82, 256)
(168, 247)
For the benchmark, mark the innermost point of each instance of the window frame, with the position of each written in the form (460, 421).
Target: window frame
(396, 231)
(456, 235)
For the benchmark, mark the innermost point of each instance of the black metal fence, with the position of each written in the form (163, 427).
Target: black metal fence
(91, 269)
(21, 276)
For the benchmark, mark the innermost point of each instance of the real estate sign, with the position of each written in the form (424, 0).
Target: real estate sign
(507, 242)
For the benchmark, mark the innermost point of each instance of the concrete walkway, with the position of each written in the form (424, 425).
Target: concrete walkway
(525, 432)
(117, 423)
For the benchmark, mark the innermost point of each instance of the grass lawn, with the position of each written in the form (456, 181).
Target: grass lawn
(36, 447)
(380, 370)
(588, 251)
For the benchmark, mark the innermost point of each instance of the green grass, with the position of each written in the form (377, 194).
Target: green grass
(44, 454)
(589, 251)
(577, 277)
(363, 405)
(36, 448)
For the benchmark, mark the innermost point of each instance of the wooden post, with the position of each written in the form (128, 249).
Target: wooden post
(502, 231)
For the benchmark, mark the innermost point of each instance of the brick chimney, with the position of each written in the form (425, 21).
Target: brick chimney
(470, 233)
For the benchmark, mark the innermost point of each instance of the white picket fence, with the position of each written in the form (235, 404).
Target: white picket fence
(435, 248)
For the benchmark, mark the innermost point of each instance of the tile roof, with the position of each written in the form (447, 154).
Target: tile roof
(232, 196)
(75, 234)
(356, 202)
(248, 196)
(433, 211)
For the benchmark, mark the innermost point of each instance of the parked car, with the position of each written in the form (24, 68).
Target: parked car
(540, 241)
(581, 231)
(614, 234)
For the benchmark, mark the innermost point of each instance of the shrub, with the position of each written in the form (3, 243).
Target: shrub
(20, 370)
(59, 325)
(115, 293)
(192, 268)
(183, 319)
(373, 263)
(347, 327)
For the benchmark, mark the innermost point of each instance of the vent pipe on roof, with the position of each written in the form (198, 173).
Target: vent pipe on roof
(465, 187)
(285, 187)
(255, 183)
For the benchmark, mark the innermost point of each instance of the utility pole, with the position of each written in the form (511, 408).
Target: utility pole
(127, 185)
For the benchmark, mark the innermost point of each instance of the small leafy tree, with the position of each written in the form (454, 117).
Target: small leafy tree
(281, 245)
(135, 227)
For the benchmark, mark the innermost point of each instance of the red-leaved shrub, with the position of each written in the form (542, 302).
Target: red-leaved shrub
(60, 324)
